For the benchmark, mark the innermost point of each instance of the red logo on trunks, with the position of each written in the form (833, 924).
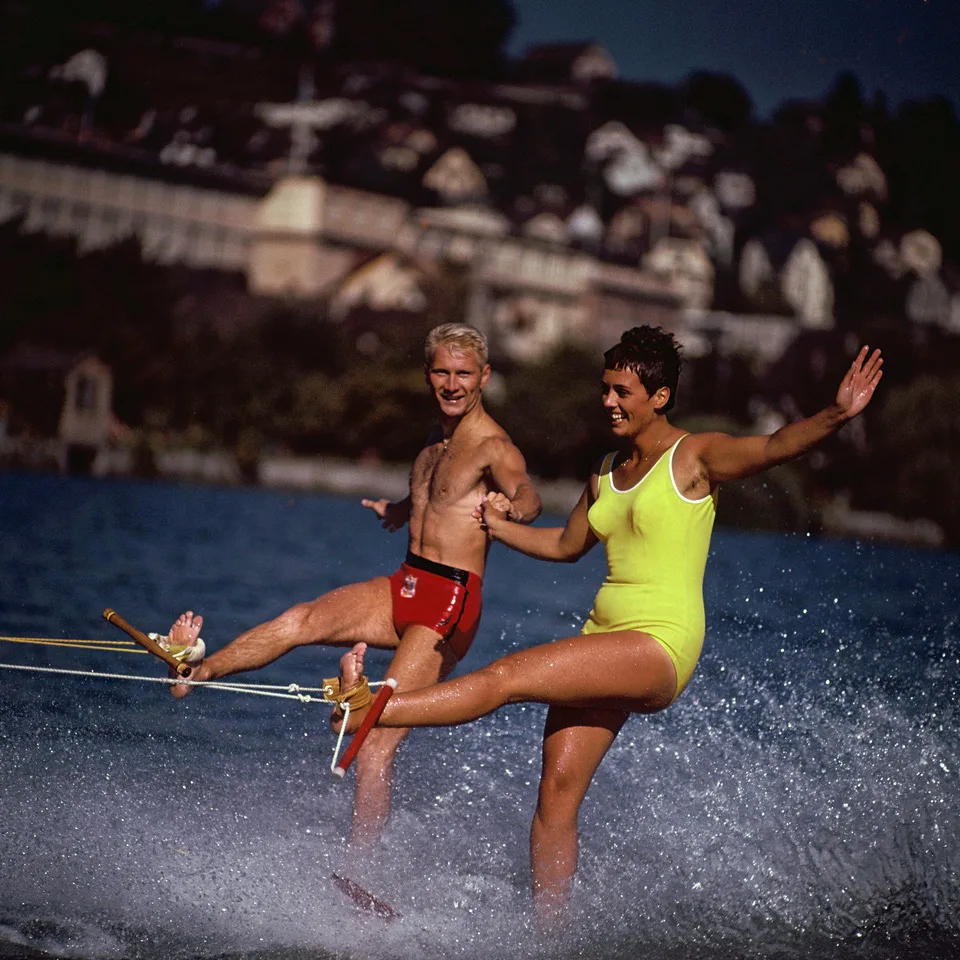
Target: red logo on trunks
(409, 588)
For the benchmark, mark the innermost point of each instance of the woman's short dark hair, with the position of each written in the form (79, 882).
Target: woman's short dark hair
(653, 355)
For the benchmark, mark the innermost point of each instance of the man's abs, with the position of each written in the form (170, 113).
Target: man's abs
(452, 536)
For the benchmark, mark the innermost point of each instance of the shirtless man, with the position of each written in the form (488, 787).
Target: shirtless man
(429, 610)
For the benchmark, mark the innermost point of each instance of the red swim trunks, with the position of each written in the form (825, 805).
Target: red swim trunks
(445, 599)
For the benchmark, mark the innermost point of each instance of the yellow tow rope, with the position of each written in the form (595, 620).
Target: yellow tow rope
(118, 646)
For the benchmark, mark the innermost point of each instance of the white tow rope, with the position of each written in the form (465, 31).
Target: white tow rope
(292, 691)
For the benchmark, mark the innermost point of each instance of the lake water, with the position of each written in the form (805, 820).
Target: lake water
(800, 799)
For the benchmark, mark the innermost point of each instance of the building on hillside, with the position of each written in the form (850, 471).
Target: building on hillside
(540, 196)
(786, 272)
(307, 235)
(686, 268)
(618, 298)
(760, 338)
(389, 283)
(86, 417)
(61, 403)
(921, 253)
(303, 237)
(454, 235)
(176, 222)
(918, 283)
(863, 179)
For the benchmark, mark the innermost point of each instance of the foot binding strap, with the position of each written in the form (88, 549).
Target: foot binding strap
(366, 725)
(356, 698)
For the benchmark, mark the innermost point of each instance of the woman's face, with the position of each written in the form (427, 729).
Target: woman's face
(630, 408)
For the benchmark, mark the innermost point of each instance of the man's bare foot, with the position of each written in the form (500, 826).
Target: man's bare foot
(185, 630)
(184, 635)
(351, 671)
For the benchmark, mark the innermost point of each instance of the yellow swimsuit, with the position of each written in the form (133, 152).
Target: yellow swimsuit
(656, 542)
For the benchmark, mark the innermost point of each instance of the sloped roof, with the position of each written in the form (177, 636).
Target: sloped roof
(555, 62)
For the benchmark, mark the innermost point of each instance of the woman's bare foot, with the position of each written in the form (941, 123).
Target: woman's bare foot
(184, 642)
(351, 672)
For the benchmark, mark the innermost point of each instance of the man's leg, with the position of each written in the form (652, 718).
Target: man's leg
(574, 743)
(350, 614)
(422, 658)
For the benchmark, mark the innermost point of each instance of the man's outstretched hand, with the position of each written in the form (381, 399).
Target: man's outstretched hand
(393, 515)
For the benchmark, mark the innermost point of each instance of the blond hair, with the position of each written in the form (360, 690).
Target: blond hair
(459, 337)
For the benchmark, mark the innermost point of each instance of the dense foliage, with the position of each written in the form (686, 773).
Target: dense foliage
(462, 40)
(287, 379)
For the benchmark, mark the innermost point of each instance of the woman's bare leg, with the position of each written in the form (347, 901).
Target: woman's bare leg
(627, 671)
(574, 742)
(592, 683)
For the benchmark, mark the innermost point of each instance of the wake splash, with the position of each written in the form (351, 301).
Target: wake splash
(816, 831)
(755, 818)
(767, 814)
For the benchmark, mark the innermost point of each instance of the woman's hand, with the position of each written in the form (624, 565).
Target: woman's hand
(856, 388)
(492, 512)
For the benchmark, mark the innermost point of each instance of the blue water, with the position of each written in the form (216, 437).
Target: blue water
(799, 800)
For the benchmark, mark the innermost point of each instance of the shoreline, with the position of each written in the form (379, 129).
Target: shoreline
(314, 474)
(374, 479)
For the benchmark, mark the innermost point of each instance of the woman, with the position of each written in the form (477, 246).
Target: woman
(652, 503)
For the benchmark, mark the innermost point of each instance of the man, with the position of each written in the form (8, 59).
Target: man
(429, 610)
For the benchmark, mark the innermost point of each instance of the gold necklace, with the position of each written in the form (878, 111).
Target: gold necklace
(653, 451)
(623, 463)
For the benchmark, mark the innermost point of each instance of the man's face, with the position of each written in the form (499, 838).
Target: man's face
(456, 378)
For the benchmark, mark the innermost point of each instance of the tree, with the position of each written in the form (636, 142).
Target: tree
(553, 414)
(915, 454)
(719, 100)
(844, 113)
(462, 40)
(921, 157)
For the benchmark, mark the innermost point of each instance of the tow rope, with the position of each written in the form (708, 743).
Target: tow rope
(144, 643)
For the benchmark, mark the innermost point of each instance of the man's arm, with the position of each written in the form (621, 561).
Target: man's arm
(730, 458)
(508, 470)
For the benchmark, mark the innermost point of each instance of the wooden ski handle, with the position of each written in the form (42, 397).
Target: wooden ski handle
(366, 725)
(111, 616)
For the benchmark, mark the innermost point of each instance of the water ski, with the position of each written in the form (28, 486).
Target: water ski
(364, 899)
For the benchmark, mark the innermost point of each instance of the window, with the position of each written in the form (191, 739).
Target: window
(86, 393)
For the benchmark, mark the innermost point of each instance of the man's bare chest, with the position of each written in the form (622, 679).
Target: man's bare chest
(444, 476)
